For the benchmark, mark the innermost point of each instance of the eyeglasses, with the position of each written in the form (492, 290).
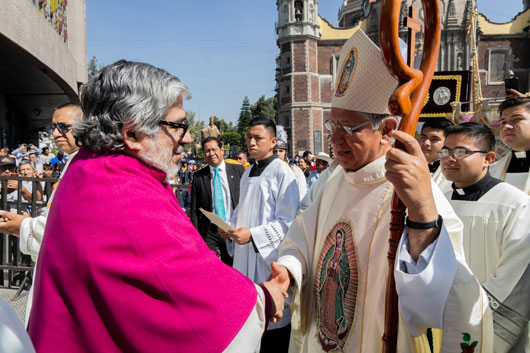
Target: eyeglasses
(457, 152)
(63, 128)
(331, 126)
(184, 126)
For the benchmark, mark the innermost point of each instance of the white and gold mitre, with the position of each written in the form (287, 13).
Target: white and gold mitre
(363, 82)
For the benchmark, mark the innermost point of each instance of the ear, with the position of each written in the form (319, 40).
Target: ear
(274, 141)
(490, 158)
(388, 125)
(131, 138)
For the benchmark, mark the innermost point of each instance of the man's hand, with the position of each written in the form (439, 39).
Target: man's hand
(12, 185)
(277, 296)
(241, 235)
(409, 173)
(512, 93)
(280, 276)
(10, 222)
(223, 234)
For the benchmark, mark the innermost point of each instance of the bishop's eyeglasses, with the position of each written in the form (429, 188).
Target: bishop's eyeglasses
(331, 126)
(457, 152)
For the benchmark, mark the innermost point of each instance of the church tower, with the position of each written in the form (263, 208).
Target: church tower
(298, 83)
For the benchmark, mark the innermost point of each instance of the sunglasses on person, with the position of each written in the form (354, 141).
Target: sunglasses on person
(184, 126)
(63, 128)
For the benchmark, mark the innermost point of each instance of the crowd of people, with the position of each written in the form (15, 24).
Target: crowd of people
(276, 254)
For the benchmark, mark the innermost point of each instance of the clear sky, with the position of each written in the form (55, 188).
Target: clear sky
(223, 50)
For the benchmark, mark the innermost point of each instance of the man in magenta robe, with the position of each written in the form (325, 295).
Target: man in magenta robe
(121, 268)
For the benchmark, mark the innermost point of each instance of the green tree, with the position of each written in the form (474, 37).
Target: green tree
(93, 67)
(195, 131)
(232, 139)
(244, 120)
(264, 108)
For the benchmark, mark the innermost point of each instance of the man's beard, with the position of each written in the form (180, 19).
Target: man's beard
(160, 156)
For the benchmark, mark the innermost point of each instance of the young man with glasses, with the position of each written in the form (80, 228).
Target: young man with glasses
(514, 168)
(496, 218)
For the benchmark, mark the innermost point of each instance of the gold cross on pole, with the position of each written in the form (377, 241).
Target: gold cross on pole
(414, 26)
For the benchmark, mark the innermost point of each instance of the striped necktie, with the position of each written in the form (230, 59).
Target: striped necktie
(218, 200)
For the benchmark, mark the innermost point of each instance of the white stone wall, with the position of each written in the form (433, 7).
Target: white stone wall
(21, 22)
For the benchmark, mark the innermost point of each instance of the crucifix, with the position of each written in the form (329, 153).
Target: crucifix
(414, 26)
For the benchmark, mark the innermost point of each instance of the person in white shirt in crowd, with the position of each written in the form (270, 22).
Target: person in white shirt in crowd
(46, 155)
(26, 169)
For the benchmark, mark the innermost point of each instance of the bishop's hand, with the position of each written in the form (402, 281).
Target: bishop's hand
(409, 173)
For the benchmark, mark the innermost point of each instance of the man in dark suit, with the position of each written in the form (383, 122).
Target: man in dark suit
(215, 188)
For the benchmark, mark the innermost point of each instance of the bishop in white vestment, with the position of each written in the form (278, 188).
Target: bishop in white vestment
(335, 253)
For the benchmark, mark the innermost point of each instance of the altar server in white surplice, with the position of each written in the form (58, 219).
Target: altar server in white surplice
(335, 254)
(496, 217)
(431, 141)
(268, 202)
(514, 168)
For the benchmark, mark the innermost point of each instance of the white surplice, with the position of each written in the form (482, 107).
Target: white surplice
(444, 294)
(519, 180)
(497, 249)
(439, 179)
(300, 179)
(267, 206)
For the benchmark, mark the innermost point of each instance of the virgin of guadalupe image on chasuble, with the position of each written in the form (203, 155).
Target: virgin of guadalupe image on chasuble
(337, 279)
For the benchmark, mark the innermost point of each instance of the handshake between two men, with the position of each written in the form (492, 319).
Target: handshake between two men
(279, 280)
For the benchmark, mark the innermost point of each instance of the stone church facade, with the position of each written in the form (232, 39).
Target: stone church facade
(309, 47)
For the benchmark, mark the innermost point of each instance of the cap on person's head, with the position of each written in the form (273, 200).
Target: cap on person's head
(324, 156)
(364, 83)
(7, 160)
(281, 135)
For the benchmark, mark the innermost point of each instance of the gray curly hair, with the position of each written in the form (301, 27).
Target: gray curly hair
(125, 93)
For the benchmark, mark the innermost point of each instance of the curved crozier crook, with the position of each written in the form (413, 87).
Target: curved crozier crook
(407, 100)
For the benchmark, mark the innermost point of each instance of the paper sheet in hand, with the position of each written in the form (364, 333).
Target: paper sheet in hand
(215, 219)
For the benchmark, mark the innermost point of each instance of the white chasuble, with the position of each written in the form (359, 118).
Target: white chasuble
(497, 249)
(336, 251)
(267, 206)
